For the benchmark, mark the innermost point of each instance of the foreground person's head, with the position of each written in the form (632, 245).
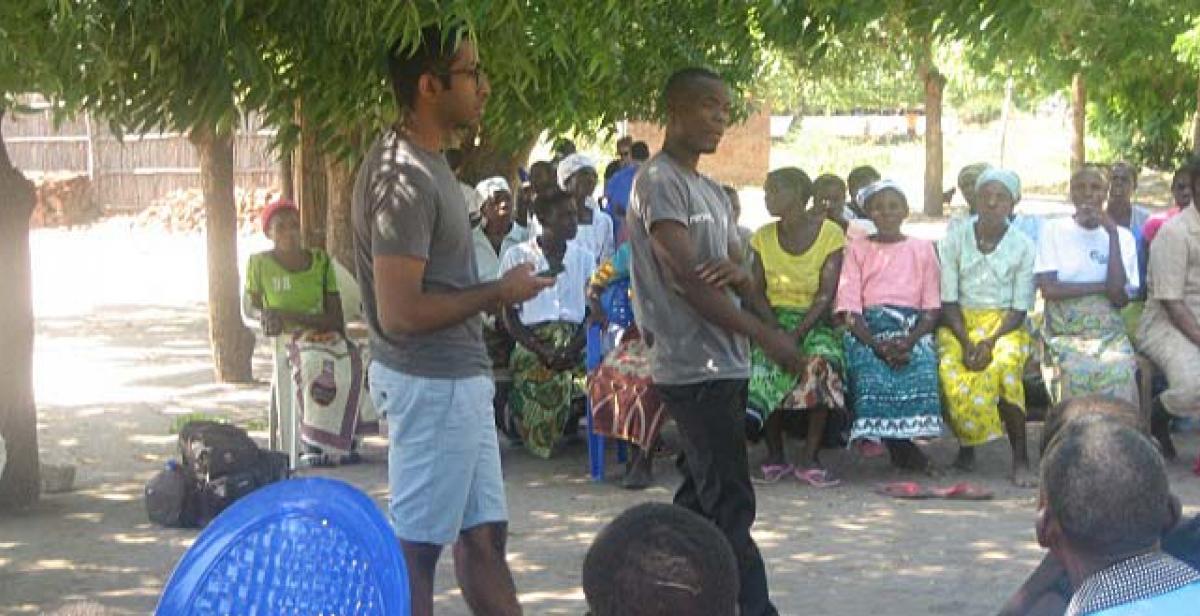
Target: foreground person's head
(1105, 496)
(658, 559)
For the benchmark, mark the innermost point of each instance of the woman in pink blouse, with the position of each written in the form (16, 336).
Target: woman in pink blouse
(889, 291)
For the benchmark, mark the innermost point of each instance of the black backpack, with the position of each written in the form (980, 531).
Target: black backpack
(211, 450)
(221, 464)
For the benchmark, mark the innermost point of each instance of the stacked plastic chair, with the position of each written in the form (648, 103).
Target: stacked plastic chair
(304, 546)
(620, 316)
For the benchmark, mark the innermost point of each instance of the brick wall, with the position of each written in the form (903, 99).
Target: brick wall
(742, 159)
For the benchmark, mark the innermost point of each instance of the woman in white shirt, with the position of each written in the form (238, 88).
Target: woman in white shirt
(1087, 270)
(577, 176)
(549, 329)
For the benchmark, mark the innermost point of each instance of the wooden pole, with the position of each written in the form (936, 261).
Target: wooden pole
(1078, 122)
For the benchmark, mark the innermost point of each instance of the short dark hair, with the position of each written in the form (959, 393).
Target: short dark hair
(795, 180)
(1134, 170)
(1106, 485)
(659, 559)
(640, 150)
(681, 81)
(863, 174)
(624, 140)
(828, 179)
(432, 52)
(545, 204)
(1070, 409)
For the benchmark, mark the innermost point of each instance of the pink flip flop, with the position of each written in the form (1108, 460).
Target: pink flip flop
(772, 473)
(816, 477)
(963, 491)
(904, 489)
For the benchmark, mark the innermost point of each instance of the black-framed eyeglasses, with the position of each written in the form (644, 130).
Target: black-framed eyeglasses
(476, 73)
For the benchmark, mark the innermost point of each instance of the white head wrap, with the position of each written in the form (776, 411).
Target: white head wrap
(489, 187)
(571, 165)
(874, 188)
(1007, 178)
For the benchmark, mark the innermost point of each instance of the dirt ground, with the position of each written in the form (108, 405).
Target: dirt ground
(122, 349)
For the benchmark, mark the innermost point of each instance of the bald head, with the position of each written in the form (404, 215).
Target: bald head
(1117, 409)
(1106, 486)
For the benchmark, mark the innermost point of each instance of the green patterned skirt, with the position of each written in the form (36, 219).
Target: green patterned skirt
(541, 398)
(819, 385)
(1087, 350)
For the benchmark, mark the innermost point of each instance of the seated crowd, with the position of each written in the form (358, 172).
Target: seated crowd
(899, 337)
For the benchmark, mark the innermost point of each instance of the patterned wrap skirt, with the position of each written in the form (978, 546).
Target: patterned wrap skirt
(887, 403)
(973, 398)
(1087, 350)
(541, 398)
(819, 385)
(625, 404)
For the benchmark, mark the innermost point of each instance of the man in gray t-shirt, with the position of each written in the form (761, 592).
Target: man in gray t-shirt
(407, 202)
(688, 294)
(688, 348)
(431, 376)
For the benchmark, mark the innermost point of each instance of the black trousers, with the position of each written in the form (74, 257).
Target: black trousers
(716, 478)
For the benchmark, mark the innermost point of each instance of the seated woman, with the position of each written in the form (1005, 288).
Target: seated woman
(295, 290)
(494, 235)
(1086, 269)
(798, 263)
(889, 290)
(577, 177)
(1181, 198)
(549, 329)
(987, 289)
(625, 404)
(1169, 332)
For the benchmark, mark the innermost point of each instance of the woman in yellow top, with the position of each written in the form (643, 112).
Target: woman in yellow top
(798, 264)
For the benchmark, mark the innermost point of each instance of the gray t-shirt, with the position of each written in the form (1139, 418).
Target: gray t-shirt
(686, 347)
(407, 202)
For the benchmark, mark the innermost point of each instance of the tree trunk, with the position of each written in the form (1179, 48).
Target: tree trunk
(311, 188)
(935, 85)
(1196, 124)
(20, 482)
(287, 176)
(1078, 122)
(339, 231)
(232, 341)
(489, 159)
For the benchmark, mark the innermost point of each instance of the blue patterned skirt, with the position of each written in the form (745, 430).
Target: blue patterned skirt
(887, 403)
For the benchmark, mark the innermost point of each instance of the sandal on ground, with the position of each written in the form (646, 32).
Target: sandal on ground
(963, 491)
(816, 477)
(772, 473)
(905, 490)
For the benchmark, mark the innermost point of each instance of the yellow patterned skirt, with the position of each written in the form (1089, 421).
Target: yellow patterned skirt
(972, 398)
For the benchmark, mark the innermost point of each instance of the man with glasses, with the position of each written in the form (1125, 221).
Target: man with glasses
(431, 376)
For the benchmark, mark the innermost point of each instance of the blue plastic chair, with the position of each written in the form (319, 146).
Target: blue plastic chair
(620, 313)
(303, 546)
